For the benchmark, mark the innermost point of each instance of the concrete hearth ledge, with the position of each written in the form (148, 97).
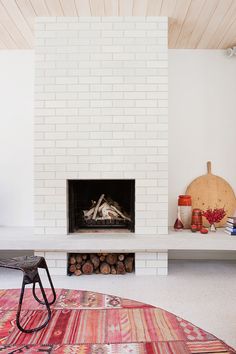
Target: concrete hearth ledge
(23, 238)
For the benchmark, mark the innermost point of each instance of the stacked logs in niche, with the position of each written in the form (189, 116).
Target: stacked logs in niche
(100, 263)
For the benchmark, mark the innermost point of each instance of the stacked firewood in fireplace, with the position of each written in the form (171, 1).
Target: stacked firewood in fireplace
(100, 263)
(105, 211)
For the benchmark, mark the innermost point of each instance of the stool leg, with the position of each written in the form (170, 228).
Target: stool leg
(20, 304)
(38, 280)
(52, 288)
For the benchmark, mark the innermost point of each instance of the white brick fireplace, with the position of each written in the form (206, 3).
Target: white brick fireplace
(101, 105)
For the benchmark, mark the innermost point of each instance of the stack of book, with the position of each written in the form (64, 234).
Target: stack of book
(230, 227)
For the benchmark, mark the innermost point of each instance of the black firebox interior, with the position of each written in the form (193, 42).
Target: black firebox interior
(81, 193)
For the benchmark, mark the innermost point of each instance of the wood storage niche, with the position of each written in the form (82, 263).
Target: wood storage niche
(100, 263)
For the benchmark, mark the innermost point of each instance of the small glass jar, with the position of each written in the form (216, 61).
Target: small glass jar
(185, 206)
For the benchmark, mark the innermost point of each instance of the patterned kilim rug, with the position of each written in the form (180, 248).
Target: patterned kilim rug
(85, 322)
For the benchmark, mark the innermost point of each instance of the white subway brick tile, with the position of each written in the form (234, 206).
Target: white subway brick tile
(135, 79)
(100, 103)
(66, 159)
(147, 230)
(55, 183)
(38, 199)
(51, 263)
(57, 271)
(60, 263)
(78, 152)
(135, 111)
(61, 223)
(66, 80)
(37, 152)
(151, 263)
(124, 26)
(111, 159)
(112, 19)
(39, 183)
(66, 143)
(81, 135)
(112, 143)
(44, 175)
(145, 256)
(163, 183)
(113, 175)
(163, 150)
(55, 230)
(121, 167)
(100, 167)
(156, 263)
(89, 143)
(55, 136)
(112, 111)
(54, 152)
(135, 95)
(113, 34)
(91, 175)
(135, 142)
(54, 215)
(140, 263)
(77, 167)
(55, 167)
(44, 112)
(146, 182)
(124, 88)
(44, 207)
(54, 88)
(134, 174)
(101, 135)
(44, 191)
(162, 271)
(162, 256)
(88, 160)
(163, 230)
(145, 271)
(39, 104)
(124, 103)
(146, 199)
(39, 230)
(61, 190)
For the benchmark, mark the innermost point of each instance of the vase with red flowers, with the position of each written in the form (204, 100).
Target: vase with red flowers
(214, 216)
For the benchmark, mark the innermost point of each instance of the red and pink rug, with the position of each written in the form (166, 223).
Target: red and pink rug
(84, 322)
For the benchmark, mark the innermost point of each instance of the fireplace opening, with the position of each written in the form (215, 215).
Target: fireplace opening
(101, 206)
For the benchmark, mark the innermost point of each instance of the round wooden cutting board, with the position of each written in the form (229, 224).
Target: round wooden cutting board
(211, 191)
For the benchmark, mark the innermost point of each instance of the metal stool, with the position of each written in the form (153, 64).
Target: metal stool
(29, 266)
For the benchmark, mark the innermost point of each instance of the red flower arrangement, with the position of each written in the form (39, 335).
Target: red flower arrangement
(214, 215)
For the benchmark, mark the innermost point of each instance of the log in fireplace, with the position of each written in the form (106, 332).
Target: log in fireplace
(101, 205)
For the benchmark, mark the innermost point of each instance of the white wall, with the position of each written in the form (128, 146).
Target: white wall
(16, 139)
(202, 120)
(202, 125)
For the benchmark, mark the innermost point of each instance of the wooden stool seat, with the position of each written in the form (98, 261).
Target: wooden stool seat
(29, 266)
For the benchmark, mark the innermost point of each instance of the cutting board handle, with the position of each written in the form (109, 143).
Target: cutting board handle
(208, 167)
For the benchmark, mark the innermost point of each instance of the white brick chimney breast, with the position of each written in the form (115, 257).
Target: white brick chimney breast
(101, 109)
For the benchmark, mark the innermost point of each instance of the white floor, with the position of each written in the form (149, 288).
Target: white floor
(202, 292)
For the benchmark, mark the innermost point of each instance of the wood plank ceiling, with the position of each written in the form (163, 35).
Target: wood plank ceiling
(206, 24)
